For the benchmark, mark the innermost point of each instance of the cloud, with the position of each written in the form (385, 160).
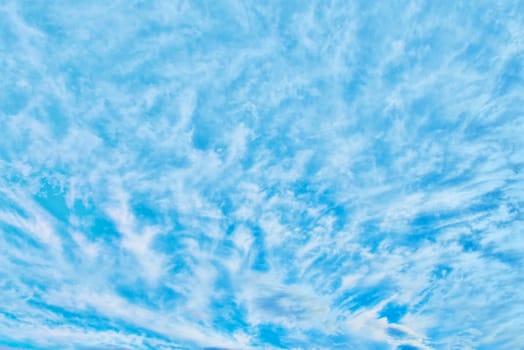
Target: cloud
(284, 175)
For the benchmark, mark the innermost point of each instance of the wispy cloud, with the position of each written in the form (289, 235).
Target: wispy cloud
(321, 175)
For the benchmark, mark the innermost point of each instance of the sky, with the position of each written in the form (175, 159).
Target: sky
(261, 174)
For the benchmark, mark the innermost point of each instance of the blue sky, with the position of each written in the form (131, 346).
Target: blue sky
(261, 174)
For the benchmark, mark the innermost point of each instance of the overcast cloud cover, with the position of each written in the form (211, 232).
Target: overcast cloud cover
(261, 174)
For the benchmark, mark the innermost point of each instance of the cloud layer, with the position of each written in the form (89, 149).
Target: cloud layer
(243, 175)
